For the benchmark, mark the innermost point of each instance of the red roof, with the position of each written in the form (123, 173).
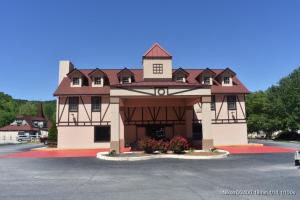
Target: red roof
(25, 127)
(156, 51)
(112, 74)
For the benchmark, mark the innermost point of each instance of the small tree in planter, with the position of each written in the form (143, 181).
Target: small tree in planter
(148, 145)
(52, 135)
(178, 144)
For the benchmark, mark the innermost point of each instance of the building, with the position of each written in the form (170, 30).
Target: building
(114, 108)
(25, 127)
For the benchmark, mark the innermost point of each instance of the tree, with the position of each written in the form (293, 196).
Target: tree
(277, 108)
(52, 134)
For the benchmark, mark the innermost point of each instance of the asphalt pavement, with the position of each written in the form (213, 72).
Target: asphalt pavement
(168, 179)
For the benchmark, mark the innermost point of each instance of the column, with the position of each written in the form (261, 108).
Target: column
(207, 141)
(115, 124)
(189, 112)
(122, 136)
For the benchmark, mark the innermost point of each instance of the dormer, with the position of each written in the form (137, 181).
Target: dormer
(77, 78)
(98, 78)
(225, 77)
(125, 76)
(157, 64)
(180, 75)
(206, 77)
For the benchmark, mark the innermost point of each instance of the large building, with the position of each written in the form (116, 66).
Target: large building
(114, 108)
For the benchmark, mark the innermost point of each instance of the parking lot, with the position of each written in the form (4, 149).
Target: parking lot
(90, 178)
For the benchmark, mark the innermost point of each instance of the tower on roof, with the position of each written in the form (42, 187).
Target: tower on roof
(157, 64)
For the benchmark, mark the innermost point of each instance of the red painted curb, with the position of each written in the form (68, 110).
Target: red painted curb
(256, 149)
(57, 153)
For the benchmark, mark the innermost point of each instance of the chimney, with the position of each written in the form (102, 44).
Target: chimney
(65, 66)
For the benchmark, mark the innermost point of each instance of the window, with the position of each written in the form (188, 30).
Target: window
(98, 80)
(125, 79)
(179, 78)
(231, 102)
(197, 131)
(73, 104)
(96, 104)
(226, 80)
(75, 81)
(101, 133)
(157, 68)
(213, 103)
(206, 80)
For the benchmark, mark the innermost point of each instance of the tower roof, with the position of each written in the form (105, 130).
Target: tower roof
(156, 51)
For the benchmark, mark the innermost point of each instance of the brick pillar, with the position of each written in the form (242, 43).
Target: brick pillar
(207, 141)
(115, 124)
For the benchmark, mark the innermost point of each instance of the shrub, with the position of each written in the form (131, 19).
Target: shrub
(112, 153)
(148, 145)
(163, 146)
(178, 144)
(52, 134)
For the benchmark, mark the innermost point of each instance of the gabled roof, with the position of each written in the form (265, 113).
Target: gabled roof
(24, 127)
(208, 71)
(74, 72)
(125, 71)
(156, 51)
(227, 70)
(96, 72)
(182, 71)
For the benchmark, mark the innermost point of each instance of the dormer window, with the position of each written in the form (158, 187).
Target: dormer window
(226, 80)
(98, 80)
(180, 75)
(76, 80)
(206, 80)
(206, 76)
(125, 76)
(179, 79)
(125, 80)
(226, 77)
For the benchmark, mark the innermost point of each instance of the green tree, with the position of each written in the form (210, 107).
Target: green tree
(52, 134)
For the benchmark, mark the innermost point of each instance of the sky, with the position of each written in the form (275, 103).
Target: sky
(258, 39)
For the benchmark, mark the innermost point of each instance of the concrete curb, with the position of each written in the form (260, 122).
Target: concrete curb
(104, 156)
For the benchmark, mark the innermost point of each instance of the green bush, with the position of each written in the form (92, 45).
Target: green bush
(52, 135)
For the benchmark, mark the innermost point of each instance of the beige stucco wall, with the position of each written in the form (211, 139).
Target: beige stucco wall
(148, 68)
(229, 134)
(84, 110)
(222, 110)
(83, 137)
(78, 137)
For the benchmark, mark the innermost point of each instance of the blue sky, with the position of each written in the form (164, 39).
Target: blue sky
(259, 40)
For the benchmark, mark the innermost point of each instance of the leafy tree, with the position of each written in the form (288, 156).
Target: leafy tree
(277, 108)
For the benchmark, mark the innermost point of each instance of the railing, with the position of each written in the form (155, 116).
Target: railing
(83, 123)
(228, 121)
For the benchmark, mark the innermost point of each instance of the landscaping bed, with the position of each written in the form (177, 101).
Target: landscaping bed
(136, 156)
